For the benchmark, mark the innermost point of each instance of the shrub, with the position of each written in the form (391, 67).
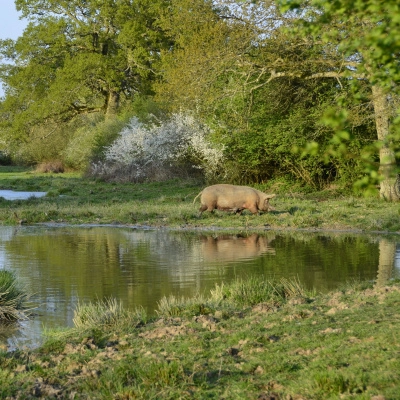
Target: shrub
(174, 147)
(55, 166)
(91, 135)
(46, 142)
(5, 158)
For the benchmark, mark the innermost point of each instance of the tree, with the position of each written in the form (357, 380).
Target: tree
(78, 57)
(367, 35)
(196, 68)
(252, 45)
(356, 42)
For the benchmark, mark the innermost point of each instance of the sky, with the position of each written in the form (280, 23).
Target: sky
(10, 25)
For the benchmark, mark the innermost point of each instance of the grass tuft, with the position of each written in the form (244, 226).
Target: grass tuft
(254, 291)
(172, 306)
(107, 313)
(239, 293)
(12, 298)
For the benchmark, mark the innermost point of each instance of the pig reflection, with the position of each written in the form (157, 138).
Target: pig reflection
(233, 248)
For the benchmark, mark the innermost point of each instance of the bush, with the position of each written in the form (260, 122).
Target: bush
(46, 142)
(175, 147)
(55, 166)
(5, 158)
(89, 140)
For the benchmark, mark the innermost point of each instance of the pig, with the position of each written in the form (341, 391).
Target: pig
(233, 198)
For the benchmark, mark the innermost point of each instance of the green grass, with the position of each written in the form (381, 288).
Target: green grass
(279, 341)
(77, 200)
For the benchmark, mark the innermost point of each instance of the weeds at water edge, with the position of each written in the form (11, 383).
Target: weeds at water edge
(107, 313)
(12, 299)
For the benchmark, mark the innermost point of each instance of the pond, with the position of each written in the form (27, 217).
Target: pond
(62, 266)
(13, 195)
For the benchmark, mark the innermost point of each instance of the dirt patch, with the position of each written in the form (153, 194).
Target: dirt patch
(163, 330)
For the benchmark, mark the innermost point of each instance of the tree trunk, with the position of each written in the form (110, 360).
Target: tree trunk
(389, 188)
(112, 104)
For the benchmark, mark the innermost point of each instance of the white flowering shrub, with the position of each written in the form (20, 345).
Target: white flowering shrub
(157, 152)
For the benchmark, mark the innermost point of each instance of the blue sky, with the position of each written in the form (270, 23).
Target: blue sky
(10, 24)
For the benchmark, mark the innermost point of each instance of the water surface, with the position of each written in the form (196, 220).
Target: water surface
(66, 265)
(13, 195)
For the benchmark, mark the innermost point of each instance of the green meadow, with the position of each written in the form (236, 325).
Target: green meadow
(250, 339)
(74, 199)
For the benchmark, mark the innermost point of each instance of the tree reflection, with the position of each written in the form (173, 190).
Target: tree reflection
(387, 252)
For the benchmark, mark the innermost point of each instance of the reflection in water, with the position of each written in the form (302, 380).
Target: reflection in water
(64, 265)
(387, 251)
(229, 248)
(397, 259)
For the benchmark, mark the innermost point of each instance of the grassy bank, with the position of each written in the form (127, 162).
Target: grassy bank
(248, 340)
(76, 200)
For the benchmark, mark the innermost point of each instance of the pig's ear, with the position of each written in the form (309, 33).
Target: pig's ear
(270, 196)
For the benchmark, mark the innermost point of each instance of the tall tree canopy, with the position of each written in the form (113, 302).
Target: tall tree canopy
(79, 57)
(367, 35)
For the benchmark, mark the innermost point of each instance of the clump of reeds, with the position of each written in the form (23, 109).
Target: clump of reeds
(255, 290)
(239, 293)
(12, 298)
(173, 306)
(106, 313)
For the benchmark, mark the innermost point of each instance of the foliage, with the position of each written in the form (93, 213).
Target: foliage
(91, 135)
(45, 143)
(75, 59)
(272, 142)
(264, 90)
(287, 87)
(195, 73)
(374, 32)
(365, 37)
(147, 152)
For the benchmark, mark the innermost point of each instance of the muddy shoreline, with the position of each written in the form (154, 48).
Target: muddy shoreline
(233, 230)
